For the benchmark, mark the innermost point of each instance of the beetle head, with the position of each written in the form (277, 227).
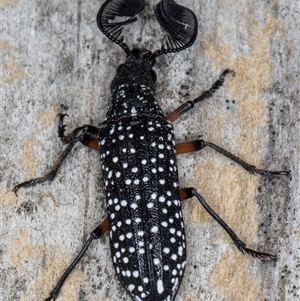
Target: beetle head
(137, 68)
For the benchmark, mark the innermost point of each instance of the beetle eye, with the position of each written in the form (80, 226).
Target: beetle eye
(153, 74)
(120, 67)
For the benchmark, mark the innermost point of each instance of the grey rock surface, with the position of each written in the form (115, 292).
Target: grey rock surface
(54, 59)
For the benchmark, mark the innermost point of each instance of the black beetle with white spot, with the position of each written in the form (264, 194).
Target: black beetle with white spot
(138, 156)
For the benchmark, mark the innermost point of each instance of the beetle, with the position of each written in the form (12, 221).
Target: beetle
(138, 155)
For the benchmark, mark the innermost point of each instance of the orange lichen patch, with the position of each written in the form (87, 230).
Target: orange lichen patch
(9, 2)
(45, 118)
(28, 160)
(56, 265)
(230, 279)
(22, 249)
(191, 298)
(8, 198)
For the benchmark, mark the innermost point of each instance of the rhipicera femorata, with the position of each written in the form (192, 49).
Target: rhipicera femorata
(138, 156)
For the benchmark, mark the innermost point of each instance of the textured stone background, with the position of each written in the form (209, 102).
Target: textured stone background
(54, 59)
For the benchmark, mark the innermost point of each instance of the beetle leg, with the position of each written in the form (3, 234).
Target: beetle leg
(95, 234)
(192, 192)
(88, 137)
(205, 95)
(196, 145)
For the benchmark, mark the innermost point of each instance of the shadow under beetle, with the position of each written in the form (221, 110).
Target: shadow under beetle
(138, 156)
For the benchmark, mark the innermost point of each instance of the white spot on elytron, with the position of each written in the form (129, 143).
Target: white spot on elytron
(150, 205)
(123, 203)
(141, 233)
(133, 205)
(172, 161)
(116, 245)
(142, 137)
(151, 128)
(128, 221)
(117, 207)
(166, 250)
(125, 259)
(118, 174)
(169, 193)
(172, 230)
(136, 181)
(146, 280)
(138, 197)
(153, 160)
(178, 233)
(174, 272)
(121, 137)
(162, 181)
(174, 256)
(118, 254)
(125, 165)
(128, 182)
(164, 224)
(153, 196)
(160, 169)
(135, 274)
(138, 220)
(134, 169)
(160, 287)
(145, 179)
(140, 288)
(132, 150)
(142, 251)
(121, 237)
(180, 251)
(112, 215)
(154, 229)
(161, 199)
(153, 144)
(153, 170)
(166, 267)
(129, 235)
(128, 273)
(124, 150)
(161, 156)
(144, 161)
(114, 228)
(119, 224)
(130, 135)
(171, 220)
(156, 261)
(131, 287)
(172, 240)
(131, 249)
